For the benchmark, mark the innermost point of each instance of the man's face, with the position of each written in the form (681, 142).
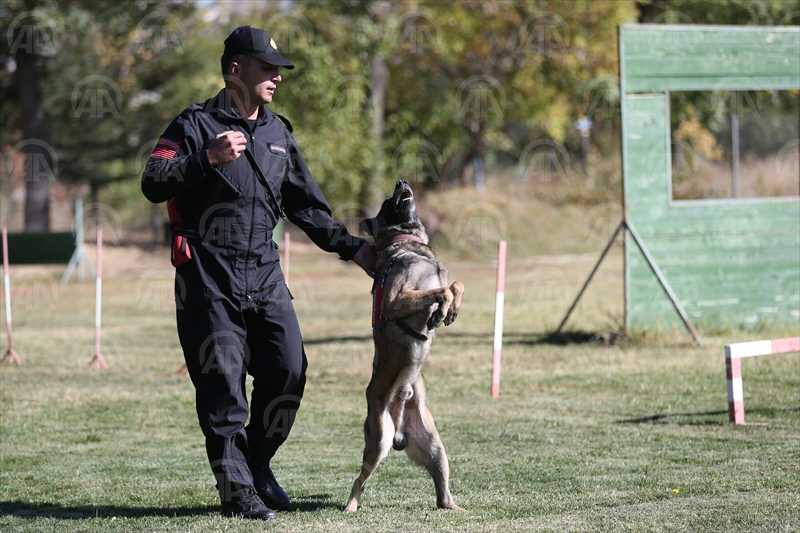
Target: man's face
(259, 79)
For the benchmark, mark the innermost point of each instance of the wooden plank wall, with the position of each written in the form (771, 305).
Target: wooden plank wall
(730, 262)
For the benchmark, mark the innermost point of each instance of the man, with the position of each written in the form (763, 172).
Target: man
(233, 167)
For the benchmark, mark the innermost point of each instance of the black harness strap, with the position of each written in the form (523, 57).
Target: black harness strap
(263, 179)
(408, 329)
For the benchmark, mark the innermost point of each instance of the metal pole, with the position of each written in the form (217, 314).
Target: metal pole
(664, 284)
(586, 283)
(735, 151)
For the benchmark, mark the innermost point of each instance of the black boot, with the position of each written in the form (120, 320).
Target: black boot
(269, 491)
(248, 505)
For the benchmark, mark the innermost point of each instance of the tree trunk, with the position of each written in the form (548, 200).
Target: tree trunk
(39, 165)
(372, 195)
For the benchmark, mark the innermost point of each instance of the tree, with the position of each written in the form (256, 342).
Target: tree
(90, 55)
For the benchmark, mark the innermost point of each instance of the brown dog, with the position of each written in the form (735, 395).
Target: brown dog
(412, 299)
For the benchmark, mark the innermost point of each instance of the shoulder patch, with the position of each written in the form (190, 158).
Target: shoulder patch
(285, 121)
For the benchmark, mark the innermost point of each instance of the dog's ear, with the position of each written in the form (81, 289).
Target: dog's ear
(370, 226)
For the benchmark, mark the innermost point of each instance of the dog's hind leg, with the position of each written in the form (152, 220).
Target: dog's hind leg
(425, 447)
(378, 437)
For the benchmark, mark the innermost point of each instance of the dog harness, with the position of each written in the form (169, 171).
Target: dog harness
(378, 320)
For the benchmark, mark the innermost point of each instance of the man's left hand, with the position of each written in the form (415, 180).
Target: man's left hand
(365, 257)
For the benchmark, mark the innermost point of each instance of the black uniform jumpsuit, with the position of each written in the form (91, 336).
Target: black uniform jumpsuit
(234, 311)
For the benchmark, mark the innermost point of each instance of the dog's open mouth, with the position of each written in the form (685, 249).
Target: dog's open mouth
(406, 195)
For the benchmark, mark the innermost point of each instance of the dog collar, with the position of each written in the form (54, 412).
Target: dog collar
(397, 238)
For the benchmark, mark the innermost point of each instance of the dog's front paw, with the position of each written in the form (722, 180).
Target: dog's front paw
(436, 319)
(451, 317)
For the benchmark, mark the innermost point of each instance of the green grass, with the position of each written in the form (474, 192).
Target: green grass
(584, 437)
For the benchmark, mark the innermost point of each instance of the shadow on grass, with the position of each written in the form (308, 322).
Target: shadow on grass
(78, 512)
(675, 418)
(27, 510)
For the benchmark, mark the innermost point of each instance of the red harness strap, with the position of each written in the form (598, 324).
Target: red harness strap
(377, 297)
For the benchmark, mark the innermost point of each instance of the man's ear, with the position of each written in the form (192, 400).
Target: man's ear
(370, 226)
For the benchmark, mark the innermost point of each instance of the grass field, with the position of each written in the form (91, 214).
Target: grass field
(631, 436)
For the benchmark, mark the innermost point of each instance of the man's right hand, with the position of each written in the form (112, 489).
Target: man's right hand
(226, 147)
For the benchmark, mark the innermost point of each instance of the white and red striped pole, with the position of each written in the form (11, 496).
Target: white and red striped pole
(733, 368)
(10, 355)
(97, 360)
(286, 257)
(498, 318)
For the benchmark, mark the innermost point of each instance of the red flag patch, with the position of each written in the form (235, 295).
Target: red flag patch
(166, 148)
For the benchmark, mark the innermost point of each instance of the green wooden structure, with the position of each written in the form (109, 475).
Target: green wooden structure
(704, 262)
(733, 261)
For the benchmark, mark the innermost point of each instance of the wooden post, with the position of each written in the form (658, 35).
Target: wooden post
(498, 318)
(10, 355)
(98, 361)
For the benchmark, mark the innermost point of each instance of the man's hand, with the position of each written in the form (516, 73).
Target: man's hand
(365, 257)
(226, 147)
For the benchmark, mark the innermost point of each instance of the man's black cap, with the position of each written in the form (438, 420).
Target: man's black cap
(247, 40)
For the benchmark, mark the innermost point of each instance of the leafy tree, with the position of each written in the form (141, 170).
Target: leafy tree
(99, 61)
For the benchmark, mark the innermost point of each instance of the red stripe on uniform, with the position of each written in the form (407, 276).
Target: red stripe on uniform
(163, 153)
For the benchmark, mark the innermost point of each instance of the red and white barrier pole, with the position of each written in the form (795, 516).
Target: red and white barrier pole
(733, 368)
(97, 360)
(10, 355)
(286, 257)
(498, 318)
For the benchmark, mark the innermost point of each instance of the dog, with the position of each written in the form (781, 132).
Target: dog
(411, 298)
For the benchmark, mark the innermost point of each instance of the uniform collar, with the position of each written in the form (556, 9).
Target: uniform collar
(220, 105)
